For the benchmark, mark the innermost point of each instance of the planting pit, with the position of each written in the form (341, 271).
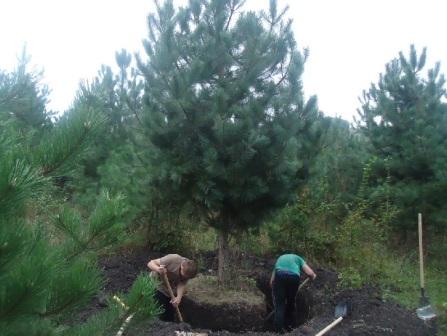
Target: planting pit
(245, 308)
(371, 315)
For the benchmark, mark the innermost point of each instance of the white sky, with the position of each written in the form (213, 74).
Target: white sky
(349, 40)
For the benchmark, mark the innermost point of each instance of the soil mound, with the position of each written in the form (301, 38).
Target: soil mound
(211, 307)
(369, 315)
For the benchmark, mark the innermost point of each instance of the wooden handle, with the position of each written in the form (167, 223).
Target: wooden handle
(128, 318)
(303, 283)
(117, 299)
(171, 293)
(330, 326)
(421, 255)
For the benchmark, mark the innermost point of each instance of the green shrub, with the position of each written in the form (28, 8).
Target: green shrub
(288, 229)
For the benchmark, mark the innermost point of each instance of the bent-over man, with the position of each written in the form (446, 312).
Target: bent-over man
(285, 281)
(178, 270)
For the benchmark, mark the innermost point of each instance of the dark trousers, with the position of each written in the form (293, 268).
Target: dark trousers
(285, 287)
(168, 313)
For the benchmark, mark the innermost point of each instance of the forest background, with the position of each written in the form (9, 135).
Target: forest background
(207, 143)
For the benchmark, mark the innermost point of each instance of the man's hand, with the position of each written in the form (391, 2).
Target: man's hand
(176, 301)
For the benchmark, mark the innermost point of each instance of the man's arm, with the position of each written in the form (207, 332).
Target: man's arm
(309, 271)
(154, 265)
(181, 287)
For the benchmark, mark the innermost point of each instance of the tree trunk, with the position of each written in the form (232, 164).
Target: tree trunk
(222, 257)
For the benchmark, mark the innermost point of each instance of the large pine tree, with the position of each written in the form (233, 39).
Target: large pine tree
(404, 117)
(225, 111)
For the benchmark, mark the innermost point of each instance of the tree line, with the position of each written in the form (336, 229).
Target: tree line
(210, 128)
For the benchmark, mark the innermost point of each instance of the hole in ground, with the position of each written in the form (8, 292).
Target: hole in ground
(303, 305)
(237, 311)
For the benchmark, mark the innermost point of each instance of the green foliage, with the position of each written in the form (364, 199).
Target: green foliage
(104, 323)
(42, 280)
(225, 113)
(134, 184)
(309, 224)
(404, 118)
(362, 237)
(167, 234)
(222, 136)
(117, 97)
(71, 286)
(23, 99)
(289, 228)
(336, 172)
(17, 179)
(68, 140)
(139, 304)
(296, 228)
(141, 298)
(360, 252)
(173, 229)
(101, 229)
(401, 283)
(46, 275)
(25, 278)
(254, 242)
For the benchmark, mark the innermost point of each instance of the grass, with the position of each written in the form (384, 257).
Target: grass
(403, 286)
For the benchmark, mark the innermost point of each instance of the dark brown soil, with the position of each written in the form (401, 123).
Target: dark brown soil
(369, 315)
(233, 317)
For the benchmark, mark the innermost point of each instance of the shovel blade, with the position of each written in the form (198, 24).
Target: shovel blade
(425, 313)
(341, 309)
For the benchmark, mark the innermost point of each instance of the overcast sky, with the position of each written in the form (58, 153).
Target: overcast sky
(350, 41)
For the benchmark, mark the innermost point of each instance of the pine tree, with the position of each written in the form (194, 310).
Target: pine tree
(404, 117)
(24, 98)
(48, 251)
(118, 97)
(335, 175)
(225, 113)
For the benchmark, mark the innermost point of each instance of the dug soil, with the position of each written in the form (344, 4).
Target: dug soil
(369, 313)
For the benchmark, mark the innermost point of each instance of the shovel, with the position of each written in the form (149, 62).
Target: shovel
(425, 310)
(171, 294)
(341, 310)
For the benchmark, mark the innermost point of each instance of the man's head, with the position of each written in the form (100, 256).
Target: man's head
(188, 269)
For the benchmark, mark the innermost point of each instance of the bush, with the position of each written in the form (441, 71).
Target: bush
(300, 227)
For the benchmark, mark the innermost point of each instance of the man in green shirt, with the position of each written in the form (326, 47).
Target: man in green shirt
(284, 282)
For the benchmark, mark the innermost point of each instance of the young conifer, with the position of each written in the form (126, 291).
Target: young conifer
(48, 250)
(404, 117)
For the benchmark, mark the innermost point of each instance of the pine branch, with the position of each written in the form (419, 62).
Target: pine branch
(47, 170)
(19, 300)
(56, 311)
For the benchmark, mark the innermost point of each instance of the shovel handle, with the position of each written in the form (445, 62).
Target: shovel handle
(171, 294)
(421, 254)
(302, 284)
(330, 326)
